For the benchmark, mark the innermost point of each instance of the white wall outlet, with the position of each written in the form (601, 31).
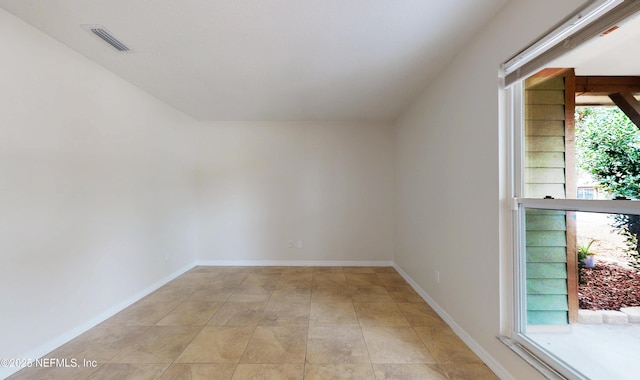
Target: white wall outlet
(437, 277)
(299, 244)
(290, 244)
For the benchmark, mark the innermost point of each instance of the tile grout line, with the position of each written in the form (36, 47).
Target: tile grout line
(255, 327)
(194, 336)
(306, 345)
(366, 346)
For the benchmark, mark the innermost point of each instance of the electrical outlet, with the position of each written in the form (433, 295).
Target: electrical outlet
(290, 244)
(437, 277)
(299, 244)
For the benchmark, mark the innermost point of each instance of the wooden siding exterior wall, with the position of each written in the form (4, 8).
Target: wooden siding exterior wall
(545, 175)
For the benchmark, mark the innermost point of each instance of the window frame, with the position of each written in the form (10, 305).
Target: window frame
(546, 362)
(519, 204)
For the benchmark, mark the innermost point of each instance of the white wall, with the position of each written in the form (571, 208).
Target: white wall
(450, 181)
(329, 185)
(97, 184)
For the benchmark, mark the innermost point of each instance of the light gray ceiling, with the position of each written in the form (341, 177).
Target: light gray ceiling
(352, 60)
(615, 53)
(612, 54)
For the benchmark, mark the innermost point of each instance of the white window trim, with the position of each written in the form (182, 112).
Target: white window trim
(546, 363)
(583, 205)
(585, 23)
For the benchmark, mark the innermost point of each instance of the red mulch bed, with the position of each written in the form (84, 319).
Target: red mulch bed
(609, 287)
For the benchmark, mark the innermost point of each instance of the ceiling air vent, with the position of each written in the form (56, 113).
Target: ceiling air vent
(107, 37)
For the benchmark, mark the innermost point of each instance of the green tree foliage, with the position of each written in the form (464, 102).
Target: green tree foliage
(608, 147)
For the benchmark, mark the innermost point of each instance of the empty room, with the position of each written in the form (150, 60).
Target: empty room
(270, 189)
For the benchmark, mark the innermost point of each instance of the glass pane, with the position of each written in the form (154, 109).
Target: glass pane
(583, 288)
(546, 267)
(545, 157)
(573, 149)
(607, 154)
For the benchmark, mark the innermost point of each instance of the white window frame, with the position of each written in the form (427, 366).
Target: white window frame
(548, 364)
(515, 94)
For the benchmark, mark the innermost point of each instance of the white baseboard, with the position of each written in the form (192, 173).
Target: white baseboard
(489, 360)
(73, 333)
(293, 263)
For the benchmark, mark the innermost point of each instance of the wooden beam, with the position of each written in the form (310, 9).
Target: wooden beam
(605, 85)
(628, 104)
(554, 72)
(571, 188)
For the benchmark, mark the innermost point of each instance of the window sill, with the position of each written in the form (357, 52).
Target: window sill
(530, 358)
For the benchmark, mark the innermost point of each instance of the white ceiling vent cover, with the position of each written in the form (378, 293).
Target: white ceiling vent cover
(107, 37)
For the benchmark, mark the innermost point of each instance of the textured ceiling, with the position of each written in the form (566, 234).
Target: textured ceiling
(329, 60)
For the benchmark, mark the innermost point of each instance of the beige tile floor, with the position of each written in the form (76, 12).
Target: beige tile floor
(273, 323)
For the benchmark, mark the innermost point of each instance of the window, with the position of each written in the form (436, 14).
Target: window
(550, 211)
(586, 193)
